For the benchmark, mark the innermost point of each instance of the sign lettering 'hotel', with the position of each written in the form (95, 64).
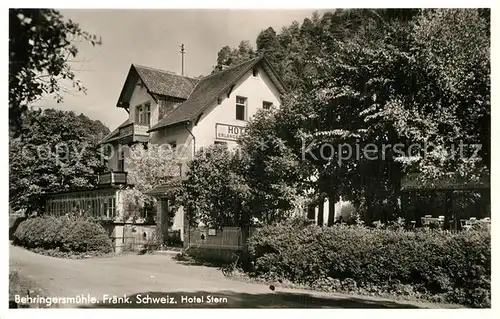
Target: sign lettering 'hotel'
(228, 132)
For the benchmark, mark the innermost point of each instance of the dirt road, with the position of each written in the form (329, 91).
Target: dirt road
(159, 281)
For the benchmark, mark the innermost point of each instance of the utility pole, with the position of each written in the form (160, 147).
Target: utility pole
(182, 58)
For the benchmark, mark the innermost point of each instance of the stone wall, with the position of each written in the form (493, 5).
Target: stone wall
(130, 237)
(214, 245)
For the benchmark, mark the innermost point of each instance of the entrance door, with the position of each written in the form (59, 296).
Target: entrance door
(163, 218)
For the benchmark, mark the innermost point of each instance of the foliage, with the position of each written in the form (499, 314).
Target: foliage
(149, 166)
(369, 79)
(13, 225)
(41, 44)
(434, 264)
(153, 243)
(225, 188)
(274, 174)
(214, 190)
(55, 151)
(66, 234)
(362, 79)
(19, 284)
(388, 85)
(229, 57)
(174, 240)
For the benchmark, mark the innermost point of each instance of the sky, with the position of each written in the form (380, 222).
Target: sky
(152, 38)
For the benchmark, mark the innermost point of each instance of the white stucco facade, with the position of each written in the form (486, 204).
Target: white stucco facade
(256, 89)
(139, 97)
(222, 113)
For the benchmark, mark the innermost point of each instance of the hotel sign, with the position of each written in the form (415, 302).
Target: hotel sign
(228, 132)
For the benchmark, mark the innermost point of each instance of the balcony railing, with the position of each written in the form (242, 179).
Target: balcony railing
(112, 178)
(134, 133)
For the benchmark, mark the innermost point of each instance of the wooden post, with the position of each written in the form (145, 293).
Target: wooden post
(448, 210)
(456, 215)
(417, 213)
(321, 211)
(311, 212)
(405, 207)
(331, 211)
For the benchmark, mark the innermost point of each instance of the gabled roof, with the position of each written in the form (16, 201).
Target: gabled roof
(210, 88)
(115, 133)
(159, 82)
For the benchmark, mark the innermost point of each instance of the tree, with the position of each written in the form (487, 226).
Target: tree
(367, 79)
(267, 41)
(55, 151)
(227, 57)
(217, 194)
(453, 97)
(149, 166)
(397, 79)
(40, 46)
(275, 175)
(224, 56)
(214, 190)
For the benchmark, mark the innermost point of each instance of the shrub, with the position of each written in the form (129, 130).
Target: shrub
(14, 222)
(454, 267)
(67, 234)
(152, 244)
(174, 239)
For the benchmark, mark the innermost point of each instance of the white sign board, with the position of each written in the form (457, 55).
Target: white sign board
(228, 132)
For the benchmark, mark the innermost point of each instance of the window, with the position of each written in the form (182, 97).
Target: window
(241, 103)
(121, 162)
(255, 72)
(143, 114)
(111, 213)
(104, 212)
(267, 105)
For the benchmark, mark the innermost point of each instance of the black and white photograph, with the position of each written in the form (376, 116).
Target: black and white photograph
(248, 158)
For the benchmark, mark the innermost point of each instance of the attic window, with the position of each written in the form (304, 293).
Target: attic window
(255, 72)
(143, 114)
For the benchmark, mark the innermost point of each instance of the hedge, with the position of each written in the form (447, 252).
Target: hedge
(66, 234)
(440, 265)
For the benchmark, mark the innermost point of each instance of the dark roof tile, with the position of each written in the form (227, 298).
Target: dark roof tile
(206, 91)
(198, 94)
(115, 133)
(165, 83)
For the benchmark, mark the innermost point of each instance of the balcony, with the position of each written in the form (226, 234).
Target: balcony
(134, 133)
(112, 178)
